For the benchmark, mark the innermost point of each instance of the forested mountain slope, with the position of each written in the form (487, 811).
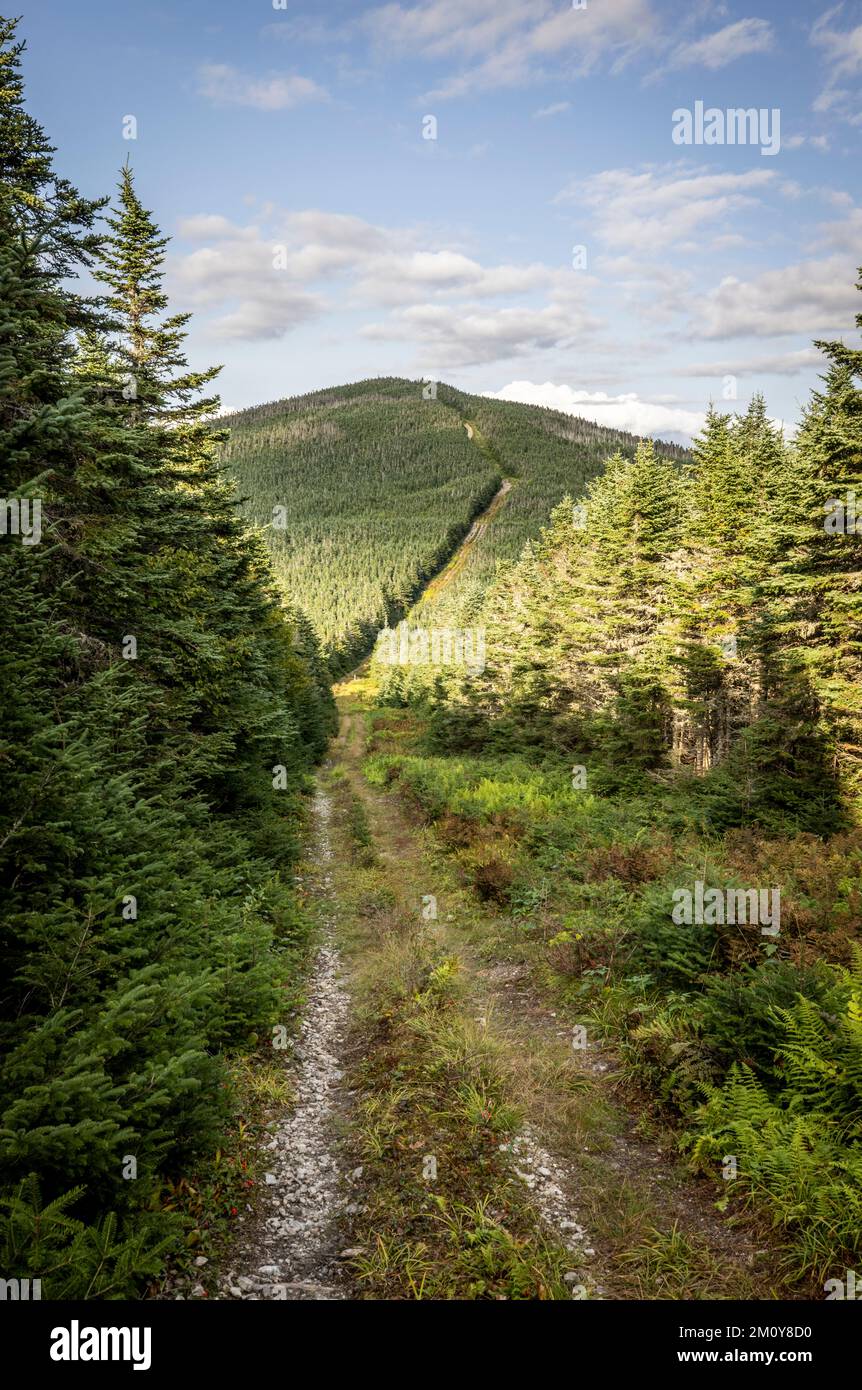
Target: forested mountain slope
(364, 490)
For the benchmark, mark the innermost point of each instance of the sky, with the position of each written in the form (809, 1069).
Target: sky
(532, 198)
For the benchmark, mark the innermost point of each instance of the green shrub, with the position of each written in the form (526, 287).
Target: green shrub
(740, 1012)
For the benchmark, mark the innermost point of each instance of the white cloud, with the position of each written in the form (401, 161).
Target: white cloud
(452, 336)
(396, 279)
(213, 227)
(812, 298)
(624, 412)
(236, 274)
(341, 229)
(842, 47)
(845, 234)
(440, 28)
(796, 142)
(779, 364)
(556, 109)
(256, 320)
(227, 86)
(725, 46)
(842, 51)
(507, 43)
(653, 210)
(261, 284)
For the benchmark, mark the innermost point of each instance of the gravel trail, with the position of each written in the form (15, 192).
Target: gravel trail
(290, 1248)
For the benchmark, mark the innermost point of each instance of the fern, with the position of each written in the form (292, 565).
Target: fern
(801, 1151)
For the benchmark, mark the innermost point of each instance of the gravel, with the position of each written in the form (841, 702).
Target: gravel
(290, 1249)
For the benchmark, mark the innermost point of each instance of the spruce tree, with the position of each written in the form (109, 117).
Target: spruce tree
(579, 627)
(141, 837)
(820, 581)
(228, 639)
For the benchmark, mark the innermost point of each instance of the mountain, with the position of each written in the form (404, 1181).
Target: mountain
(364, 491)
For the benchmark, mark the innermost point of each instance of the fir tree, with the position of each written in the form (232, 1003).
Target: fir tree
(148, 347)
(141, 836)
(823, 582)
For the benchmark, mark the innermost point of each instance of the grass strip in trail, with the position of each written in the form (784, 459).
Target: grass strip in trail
(441, 1214)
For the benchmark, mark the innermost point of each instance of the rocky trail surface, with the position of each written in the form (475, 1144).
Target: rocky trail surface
(290, 1248)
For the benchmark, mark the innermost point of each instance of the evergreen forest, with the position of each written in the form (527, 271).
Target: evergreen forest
(334, 967)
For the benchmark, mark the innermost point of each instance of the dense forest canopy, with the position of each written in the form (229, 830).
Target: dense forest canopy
(697, 618)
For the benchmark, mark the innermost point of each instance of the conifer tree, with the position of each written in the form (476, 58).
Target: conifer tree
(141, 836)
(148, 347)
(580, 625)
(221, 625)
(820, 579)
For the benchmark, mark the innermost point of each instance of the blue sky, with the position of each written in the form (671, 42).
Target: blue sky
(320, 237)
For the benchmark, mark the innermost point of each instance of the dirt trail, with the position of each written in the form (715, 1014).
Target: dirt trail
(566, 1153)
(293, 1246)
(441, 581)
(290, 1248)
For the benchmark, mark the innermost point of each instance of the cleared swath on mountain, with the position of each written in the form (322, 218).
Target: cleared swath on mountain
(379, 485)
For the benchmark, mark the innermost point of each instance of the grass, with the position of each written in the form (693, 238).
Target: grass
(464, 1033)
(662, 1262)
(576, 886)
(445, 1218)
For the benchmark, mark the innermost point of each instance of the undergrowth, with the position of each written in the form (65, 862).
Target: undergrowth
(753, 1043)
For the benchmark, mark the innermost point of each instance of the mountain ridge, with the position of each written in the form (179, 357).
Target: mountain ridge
(364, 491)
